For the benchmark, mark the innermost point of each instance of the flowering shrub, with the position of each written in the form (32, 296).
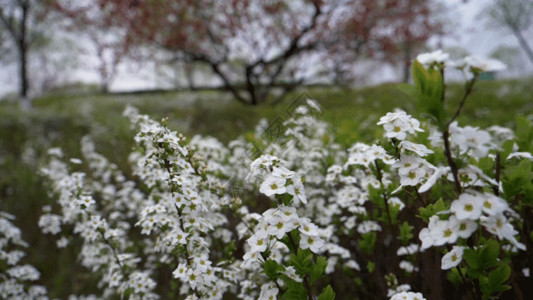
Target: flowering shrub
(430, 210)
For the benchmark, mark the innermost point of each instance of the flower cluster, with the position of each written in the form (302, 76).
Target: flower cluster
(288, 210)
(16, 278)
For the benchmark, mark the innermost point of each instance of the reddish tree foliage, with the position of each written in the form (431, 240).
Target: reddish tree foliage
(109, 33)
(255, 46)
(390, 30)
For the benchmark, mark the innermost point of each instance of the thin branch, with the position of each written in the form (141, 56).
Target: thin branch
(467, 93)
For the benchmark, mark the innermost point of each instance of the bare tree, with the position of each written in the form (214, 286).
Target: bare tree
(517, 16)
(21, 20)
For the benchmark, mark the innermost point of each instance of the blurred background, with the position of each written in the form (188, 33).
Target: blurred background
(248, 48)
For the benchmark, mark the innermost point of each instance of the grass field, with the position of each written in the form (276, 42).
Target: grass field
(61, 119)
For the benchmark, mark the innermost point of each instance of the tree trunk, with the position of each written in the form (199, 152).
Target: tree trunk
(22, 43)
(25, 102)
(406, 62)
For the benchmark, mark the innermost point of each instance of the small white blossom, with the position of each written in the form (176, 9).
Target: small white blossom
(435, 57)
(408, 296)
(468, 206)
(452, 258)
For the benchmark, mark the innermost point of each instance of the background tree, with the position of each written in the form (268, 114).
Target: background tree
(515, 15)
(257, 47)
(391, 31)
(94, 22)
(22, 20)
(251, 46)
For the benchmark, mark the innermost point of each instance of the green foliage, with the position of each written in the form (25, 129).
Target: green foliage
(430, 87)
(302, 261)
(327, 294)
(518, 181)
(406, 232)
(367, 242)
(483, 265)
(524, 134)
(318, 269)
(432, 209)
(272, 269)
(295, 291)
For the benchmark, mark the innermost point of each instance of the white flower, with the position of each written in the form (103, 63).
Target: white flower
(435, 57)
(308, 228)
(475, 64)
(438, 172)
(398, 124)
(438, 233)
(464, 227)
(291, 273)
(413, 177)
(399, 289)
(407, 250)
(76, 161)
(85, 201)
(368, 226)
(62, 242)
(484, 64)
(50, 223)
(407, 266)
(408, 296)
(353, 265)
(25, 272)
(526, 155)
(471, 140)
(314, 243)
(258, 244)
(396, 202)
(278, 227)
(493, 205)
(500, 226)
(296, 189)
(408, 163)
(273, 185)
(419, 149)
(452, 258)
(269, 291)
(468, 206)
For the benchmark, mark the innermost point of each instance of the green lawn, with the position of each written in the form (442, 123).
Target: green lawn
(61, 120)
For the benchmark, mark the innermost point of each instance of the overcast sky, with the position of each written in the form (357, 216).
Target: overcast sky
(468, 30)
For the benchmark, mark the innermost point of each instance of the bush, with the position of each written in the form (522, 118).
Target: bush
(431, 209)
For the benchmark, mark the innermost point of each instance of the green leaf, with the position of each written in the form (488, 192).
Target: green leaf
(295, 291)
(499, 276)
(524, 134)
(432, 209)
(518, 179)
(367, 242)
(272, 269)
(507, 149)
(472, 258)
(430, 87)
(489, 253)
(229, 248)
(327, 294)
(318, 268)
(406, 232)
(302, 262)
(371, 267)
(501, 288)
